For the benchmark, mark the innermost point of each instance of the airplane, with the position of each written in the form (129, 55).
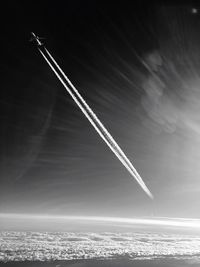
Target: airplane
(36, 39)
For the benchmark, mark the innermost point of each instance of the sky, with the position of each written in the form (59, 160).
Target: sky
(137, 66)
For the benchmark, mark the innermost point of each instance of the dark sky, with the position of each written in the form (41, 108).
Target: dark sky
(138, 68)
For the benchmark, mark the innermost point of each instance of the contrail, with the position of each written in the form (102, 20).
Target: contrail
(91, 116)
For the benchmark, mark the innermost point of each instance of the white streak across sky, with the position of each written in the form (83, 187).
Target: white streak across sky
(187, 223)
(91, 116)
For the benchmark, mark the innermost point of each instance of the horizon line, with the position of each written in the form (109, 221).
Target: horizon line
(153, 221)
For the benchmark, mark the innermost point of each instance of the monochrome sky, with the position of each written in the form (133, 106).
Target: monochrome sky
(137, 66)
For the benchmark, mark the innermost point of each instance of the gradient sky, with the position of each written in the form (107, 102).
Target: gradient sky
(138, 67)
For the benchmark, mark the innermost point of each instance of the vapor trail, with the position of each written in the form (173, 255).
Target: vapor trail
(96, 123)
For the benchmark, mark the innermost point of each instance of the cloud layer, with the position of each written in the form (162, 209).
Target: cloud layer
(35, 246)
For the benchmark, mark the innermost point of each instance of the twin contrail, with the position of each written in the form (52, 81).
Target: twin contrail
(91, 116)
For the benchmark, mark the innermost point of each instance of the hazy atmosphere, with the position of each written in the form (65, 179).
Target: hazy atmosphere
(137, 66)
(100, 134)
